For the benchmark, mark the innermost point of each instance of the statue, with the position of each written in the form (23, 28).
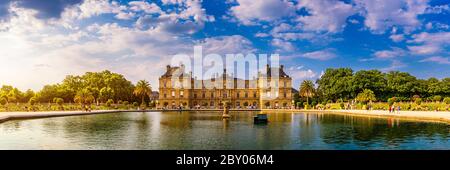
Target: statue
(226, 110)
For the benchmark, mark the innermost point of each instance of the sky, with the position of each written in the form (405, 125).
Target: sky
(43, 41)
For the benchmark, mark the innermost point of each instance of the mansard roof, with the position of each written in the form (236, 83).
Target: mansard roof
(171, 71)
(280, 71)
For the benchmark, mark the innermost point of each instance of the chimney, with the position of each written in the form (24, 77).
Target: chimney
(282, 67)
(168, 67)
(267, 67)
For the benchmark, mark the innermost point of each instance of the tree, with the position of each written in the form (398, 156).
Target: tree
(369, 79)
(142, 89)
(59, 102)
(437, 98)
(48, 93)
(109, 102)
(106, 93)
(70, 86)
(366, 96)
(3, 101)
(418, 101)
(392, 100)
(32, 101)
(447, 100)
(28, 95)
(401, 84)
(434, 86)
(84, 97)
(336, 83)
(307, 89)
(114, 86)
(11, 94)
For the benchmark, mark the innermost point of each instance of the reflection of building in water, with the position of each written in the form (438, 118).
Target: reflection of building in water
(177, 88)
(226, 123)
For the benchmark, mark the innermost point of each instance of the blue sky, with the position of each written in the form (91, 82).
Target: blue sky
(137, 38)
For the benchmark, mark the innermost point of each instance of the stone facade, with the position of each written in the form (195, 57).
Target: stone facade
(177, 88)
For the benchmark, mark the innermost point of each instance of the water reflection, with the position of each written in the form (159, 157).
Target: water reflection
(199, 130)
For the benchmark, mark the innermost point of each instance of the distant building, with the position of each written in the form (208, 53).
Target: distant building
(259, 92)
(154, 96)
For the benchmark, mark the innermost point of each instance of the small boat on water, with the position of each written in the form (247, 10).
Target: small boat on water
(260, 119)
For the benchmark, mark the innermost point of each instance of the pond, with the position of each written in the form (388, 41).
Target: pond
(207, 130)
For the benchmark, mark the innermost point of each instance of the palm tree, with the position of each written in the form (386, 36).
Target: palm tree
(307, 89)
(142, 89)
(84, 97)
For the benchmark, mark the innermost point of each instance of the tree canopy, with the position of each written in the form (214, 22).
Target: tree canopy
(342, 83)
(307, 89)
(142, 89)
(366, 96)
(102, 85)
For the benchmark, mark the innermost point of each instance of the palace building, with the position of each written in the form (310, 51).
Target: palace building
(180, 89)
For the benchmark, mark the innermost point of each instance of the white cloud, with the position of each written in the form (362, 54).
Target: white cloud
(429, 26)
(354, 21)
(298, 74)
(442, 26)
(125, 15)
(149, 8)
(397, 37)
(387, 54)
(227, 45)
(437, 59)
(248, 12)
(304, 74)
(325, 15)
(190, 19)
(261, 35)
(32, 46)
(325, 54)
(429, 43)
(438, 9)
(438, 37)
(395, 65)
(91, 8)
(383, 14)
(424, 49)
(283, 45)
